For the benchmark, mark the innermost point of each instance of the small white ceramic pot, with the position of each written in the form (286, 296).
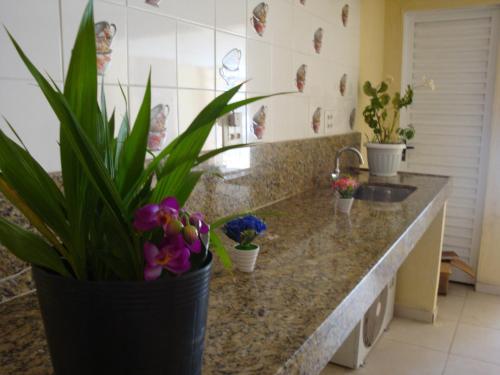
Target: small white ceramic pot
(344, 204)
(384, 159)
(243, 259)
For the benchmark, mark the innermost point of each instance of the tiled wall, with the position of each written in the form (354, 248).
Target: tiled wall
(196, 49)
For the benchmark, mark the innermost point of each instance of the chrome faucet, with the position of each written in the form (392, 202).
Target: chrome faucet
(336, 172)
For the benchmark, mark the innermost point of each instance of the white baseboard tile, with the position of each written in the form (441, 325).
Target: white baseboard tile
(415, 314)
(488, 288)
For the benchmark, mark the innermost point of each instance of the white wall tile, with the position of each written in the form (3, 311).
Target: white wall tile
(230, 57)
(25, 107)
(300, 59)
(317, 24)
(195, 56)
(282, 72)
(114, 14)
(185, 42)
(119, 2)
(260, 125)
(355, 16)
(290, 117)
(321, 8)
(317, 76)
(266, 28)
(231, 16)
(316, 126)
(191, 102)
(332, 76)
(343, 112)
(163, 6)
(152, 45)
(159, 97)
(35, 26)
(258, 66)
(280, 129)
(300, 122)
(337, 13)
(282, 23)
(199, 11)
(302, 25)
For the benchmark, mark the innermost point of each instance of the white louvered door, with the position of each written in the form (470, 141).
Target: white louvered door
(458, 50)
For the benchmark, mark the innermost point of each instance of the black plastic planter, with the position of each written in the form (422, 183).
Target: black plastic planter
(136, 328)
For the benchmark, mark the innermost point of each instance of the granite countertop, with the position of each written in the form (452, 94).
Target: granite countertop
(317, 273)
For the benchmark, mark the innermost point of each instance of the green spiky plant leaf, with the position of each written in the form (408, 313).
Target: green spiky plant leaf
(85, 231)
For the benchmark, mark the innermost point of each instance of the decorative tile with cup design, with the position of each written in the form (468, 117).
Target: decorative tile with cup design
(300, 78)
(259, 18)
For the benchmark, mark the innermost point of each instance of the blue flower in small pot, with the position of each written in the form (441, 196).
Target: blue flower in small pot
(244, 230)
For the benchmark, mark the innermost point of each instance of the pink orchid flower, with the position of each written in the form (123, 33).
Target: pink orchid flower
(153, 216)
(172, 255)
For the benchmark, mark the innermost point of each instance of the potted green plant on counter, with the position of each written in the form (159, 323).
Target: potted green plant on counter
(121, 268)
(386, 146)
(244, 230)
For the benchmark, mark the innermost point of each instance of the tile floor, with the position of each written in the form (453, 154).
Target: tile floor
(465, 340)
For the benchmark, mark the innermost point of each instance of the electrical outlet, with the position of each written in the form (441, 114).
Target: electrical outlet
(329, 121)
(232, 128)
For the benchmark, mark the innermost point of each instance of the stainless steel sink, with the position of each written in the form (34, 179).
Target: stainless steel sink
(377, 192)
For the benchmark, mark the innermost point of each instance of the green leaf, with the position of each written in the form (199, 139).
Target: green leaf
(33, 185)
(80, 87)
(368, 89)
(210, 154)
(133, 154)
(219, 249)
(383, 87)
(179, 183)
(235, 105)
(188, 146)
(187, 186)
(184, 150)
(223, 220)
(30, 247)
(90, 162)
(108, 127)
(384, 99)
(110, 157)
(192, 139)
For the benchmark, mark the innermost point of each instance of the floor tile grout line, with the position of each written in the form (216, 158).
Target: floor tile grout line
(468, 293)
(464, 301)
(464, 356)
(417, 345)
(481, 326)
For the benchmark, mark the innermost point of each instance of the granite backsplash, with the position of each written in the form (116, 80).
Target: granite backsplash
(247, 178)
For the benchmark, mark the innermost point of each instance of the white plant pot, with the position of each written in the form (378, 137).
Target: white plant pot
(244, 260)
(344, 204)
(384, 159)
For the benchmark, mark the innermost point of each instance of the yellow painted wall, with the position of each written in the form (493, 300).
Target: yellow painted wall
(392, 44)
(418, 277)
(371, 54)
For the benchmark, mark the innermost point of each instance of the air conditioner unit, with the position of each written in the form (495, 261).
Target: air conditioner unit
(356, 347)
